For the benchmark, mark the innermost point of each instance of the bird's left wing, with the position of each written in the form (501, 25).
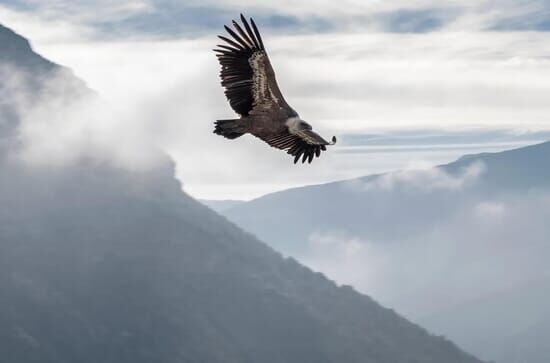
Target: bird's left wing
(246, 74)
(303, 143)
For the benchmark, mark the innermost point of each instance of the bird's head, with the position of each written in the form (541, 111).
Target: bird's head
(296, 124)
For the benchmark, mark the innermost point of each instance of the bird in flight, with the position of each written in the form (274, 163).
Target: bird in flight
(253, 93)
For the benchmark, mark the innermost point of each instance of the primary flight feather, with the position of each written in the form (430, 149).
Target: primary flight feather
(253, 93)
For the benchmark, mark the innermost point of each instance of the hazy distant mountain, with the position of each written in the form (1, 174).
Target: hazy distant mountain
(461, 248)
(364, 206)
(102, 264)
(221, 205)
(533, 346)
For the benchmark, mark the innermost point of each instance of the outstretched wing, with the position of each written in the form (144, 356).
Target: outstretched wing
(304, 143)
(246, 74)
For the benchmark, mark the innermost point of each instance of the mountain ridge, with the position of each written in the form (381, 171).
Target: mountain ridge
(311, 204)
(451, 165)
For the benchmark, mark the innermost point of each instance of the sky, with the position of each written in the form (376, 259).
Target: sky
(400, 83)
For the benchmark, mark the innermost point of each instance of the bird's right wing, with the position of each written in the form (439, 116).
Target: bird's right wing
(305, 144)
(246, 74)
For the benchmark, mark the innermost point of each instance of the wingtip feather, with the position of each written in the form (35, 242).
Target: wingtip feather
(257, 33)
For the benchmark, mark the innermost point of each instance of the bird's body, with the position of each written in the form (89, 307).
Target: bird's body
(252, 90)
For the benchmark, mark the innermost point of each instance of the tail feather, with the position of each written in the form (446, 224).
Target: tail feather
(230, 129)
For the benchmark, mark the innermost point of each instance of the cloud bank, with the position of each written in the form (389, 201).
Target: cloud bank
(461, 74)
(127, 18)
(55, 120)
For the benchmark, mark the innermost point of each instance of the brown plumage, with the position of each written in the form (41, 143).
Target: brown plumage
(253, 93)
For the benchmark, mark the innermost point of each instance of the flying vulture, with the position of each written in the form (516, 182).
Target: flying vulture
(253, 93)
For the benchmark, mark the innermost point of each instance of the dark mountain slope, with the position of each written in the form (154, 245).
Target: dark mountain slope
(98, 264)
(17, 50)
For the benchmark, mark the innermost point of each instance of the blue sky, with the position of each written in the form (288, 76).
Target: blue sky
(350, 67)
(175, 18)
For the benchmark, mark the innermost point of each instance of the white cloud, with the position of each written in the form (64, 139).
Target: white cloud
(345, 15)
(339, 82)
(490, 210)
(62, 123)
(343, 258)
(81, 11)
(469, 15)
(424, 179)
(43, 30)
